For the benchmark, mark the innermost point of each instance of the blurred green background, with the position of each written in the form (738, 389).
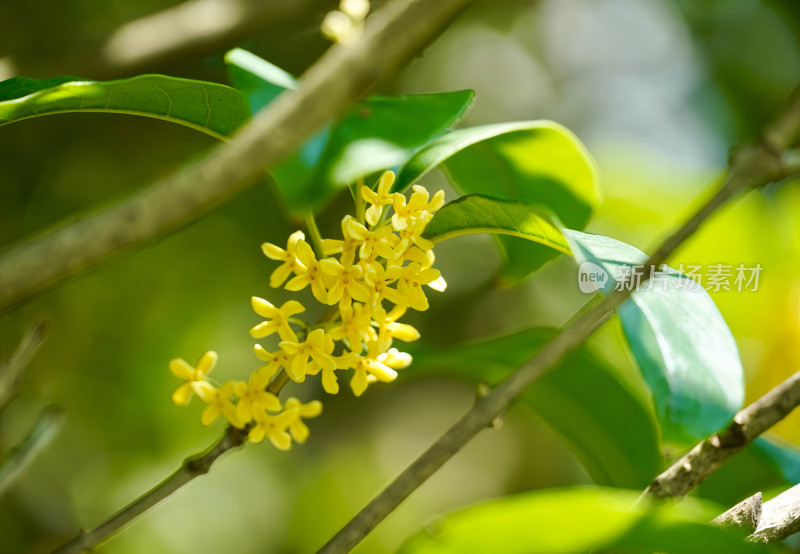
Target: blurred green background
(658, 90)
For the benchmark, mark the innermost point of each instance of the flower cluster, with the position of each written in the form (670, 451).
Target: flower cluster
(369, 278)
(244, 404)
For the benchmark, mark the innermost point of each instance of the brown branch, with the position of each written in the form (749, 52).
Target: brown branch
(340, 77)
(747, 425)
(753, 166)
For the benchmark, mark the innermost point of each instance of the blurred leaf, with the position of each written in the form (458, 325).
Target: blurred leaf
(576, 520)
(475, 213)
(208, 107)
(260, 81)
(378, 133)
(680, 340)
(785, 455)
(534, 162)
(610, 427)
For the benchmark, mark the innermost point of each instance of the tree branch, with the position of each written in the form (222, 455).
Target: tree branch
(752, 166)
(747, 425)
(196, 28)
(344, 74)
(780, 517)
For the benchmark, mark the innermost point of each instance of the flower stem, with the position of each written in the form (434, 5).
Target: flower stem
(361, 206)
(313, 232)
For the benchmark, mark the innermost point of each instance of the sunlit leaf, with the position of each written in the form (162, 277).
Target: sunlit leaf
(215, 109)
(680, 340)
(557, 521)
(475, 213)
(608, 425)
(534, 162)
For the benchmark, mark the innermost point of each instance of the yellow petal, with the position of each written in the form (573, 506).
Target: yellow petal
(263, 307)
(182, 394)
(179, 368)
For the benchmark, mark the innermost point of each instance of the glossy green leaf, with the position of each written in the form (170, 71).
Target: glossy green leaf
(608, 425)
(378, 133)
(534, 162)
(475, 213)
(681, 342)
(571, 520)
(214, 109)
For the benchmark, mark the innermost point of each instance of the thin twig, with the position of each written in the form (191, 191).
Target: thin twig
(345, 73)
(15, 460)
(747, 425)
(194, 466)
(12, 371)
(751, 167)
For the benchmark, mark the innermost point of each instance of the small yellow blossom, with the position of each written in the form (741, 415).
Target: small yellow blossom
(275, 360)
(346, 285)
(313, 275)
(218, 402)
(272, 427)
(410, 279)
(389, 328)
(289, 258)
(379, 242)
(417, 208)
(356, 325)
(370, 365)
(277, 318)
(297, 428)
(318, 347)
(378, 198)
(182, 370)
(254, 393)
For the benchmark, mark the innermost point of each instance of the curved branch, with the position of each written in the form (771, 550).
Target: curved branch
(747, 425)
(340, 77)
(753, 166)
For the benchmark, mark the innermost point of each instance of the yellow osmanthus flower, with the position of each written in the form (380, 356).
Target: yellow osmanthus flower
(311, 276)
(218, 401)
(253, 393)
(367, 280)
(297, 428)
(282, 427)
(356, 325)
(196, 374)
(380, 242)
(277, 318)
(275, 360)
(416, 209)
(345, 285)
(318, 347)
(289, 258)
(379, 198)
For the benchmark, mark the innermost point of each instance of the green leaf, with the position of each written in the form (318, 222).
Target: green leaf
(260, 81)
(683, 346)
(376, 134)
(475, 213)
(534, 162)
(214, 109)
(609, 426)
(569, 520)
